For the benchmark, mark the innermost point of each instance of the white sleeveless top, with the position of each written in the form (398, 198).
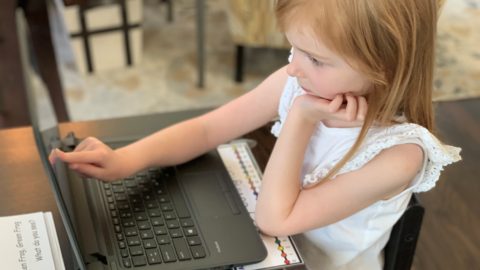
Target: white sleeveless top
(356, 242)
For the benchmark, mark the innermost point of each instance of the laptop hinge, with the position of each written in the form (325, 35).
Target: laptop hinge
(70, 141)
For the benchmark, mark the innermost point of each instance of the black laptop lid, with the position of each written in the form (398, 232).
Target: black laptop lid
(50, 171)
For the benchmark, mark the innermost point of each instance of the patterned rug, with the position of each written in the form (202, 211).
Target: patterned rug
(166, 78)
(457, 74)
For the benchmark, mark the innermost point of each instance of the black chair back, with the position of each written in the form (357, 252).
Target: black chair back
(400, 248)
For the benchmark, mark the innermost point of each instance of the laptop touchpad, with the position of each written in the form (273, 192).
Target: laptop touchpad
(208, 194)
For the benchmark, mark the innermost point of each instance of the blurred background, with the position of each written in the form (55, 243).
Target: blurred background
(164, 75)
(165, 70)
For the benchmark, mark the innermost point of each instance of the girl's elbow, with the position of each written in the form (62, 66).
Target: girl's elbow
(268, 227)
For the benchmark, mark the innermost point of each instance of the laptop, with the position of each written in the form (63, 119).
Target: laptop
(183, 217)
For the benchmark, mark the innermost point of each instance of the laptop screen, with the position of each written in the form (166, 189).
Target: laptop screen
(61, 201)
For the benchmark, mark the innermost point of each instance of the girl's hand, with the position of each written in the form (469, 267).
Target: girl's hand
(343, 110)
(93, 158)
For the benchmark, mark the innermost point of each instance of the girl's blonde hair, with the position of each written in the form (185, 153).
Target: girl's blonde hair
(391, 42)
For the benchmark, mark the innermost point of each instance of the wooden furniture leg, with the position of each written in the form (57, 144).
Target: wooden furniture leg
(42, 42)
(239, 63)
(13, 102)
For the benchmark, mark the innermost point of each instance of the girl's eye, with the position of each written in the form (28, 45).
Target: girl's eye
(315, 62)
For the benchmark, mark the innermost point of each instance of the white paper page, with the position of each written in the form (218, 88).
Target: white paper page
(54, 244)
(25, 244)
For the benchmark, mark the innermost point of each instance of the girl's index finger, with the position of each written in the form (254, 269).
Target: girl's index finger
(85, 144)
(78, 157)
(335, 104)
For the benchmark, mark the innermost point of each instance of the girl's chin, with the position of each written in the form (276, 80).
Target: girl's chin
(310, 93)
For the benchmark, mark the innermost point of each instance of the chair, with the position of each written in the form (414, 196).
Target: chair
(400, 248)
(252, 24)
(100, 29)
(85, 33)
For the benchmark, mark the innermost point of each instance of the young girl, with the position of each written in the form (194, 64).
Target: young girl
(354, 131)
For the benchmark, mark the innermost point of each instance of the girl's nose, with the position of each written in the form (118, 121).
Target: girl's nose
(293, 68)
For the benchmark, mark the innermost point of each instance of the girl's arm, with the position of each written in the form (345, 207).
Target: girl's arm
(186, 140)
(183, 141)
(284, 208)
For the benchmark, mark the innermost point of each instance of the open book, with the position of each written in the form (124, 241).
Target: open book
(29, 241)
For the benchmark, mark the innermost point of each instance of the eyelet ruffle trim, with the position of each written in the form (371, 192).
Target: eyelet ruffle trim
(438, 154)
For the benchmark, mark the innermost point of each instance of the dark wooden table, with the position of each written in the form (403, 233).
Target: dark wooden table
(24, 185)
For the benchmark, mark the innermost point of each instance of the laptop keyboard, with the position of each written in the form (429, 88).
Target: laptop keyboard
(151, 220)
